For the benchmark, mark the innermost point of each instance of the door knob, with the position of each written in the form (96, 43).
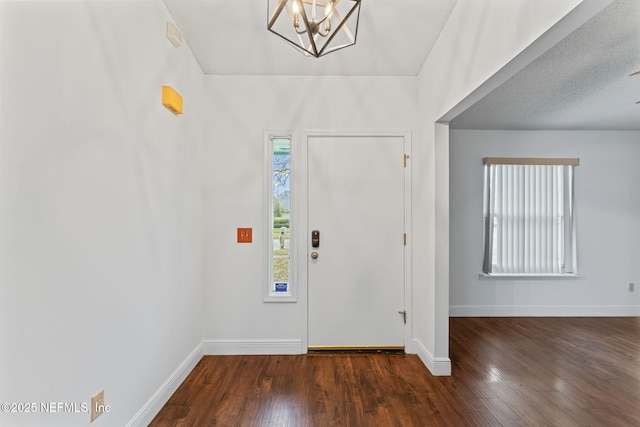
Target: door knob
(314, 255)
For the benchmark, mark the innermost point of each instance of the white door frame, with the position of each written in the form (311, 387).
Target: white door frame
(300, 202)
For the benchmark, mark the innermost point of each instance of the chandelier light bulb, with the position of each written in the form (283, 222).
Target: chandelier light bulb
(328, 10)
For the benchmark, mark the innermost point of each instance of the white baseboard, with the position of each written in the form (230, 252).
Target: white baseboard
(438, 366)
(543, 311)
(251, 347)
(150, 409)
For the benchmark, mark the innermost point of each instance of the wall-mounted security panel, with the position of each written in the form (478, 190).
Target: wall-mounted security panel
(171, 99)
(174, 34)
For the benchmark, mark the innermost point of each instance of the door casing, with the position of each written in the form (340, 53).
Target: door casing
(300, 203)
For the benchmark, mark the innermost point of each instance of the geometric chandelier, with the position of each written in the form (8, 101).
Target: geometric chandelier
(315, 27)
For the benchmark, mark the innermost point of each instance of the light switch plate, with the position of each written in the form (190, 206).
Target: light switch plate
(245, 235)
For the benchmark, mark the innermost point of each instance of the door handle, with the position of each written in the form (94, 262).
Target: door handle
(315, 239)
(314, 255)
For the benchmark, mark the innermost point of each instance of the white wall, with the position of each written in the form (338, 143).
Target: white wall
(479, 39)
(238, 111)
(608, 218)
(101, 247)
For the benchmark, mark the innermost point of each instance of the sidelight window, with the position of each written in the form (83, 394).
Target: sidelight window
(278, 179)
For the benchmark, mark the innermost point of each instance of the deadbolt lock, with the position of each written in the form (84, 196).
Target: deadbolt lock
(315, 239)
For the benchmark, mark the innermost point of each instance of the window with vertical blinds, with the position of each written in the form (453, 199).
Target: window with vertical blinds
(529, 217)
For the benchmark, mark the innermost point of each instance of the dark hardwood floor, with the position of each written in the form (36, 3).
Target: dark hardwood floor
(506, 372)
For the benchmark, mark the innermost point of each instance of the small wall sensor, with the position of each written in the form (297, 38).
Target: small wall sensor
(174, 34)
(171, 99)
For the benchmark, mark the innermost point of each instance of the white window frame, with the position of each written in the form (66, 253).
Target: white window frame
(510, 203)
(269, 295)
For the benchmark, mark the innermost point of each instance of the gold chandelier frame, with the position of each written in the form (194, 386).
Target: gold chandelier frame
(314, 27)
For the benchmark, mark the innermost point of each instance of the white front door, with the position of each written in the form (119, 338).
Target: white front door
(356, 201)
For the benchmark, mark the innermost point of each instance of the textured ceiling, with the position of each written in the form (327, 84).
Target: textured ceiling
(230, 37)
(581, 83)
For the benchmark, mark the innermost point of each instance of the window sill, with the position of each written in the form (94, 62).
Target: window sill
(280, 298)
(530, 276)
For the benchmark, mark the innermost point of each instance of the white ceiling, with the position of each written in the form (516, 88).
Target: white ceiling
(230, 37)
(581, 83)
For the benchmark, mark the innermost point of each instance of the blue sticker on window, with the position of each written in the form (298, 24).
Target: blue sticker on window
(282, 287)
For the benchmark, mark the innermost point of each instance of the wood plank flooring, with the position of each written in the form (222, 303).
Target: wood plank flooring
(506, 372)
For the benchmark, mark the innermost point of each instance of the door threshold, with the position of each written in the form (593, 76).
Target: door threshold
(355, 349)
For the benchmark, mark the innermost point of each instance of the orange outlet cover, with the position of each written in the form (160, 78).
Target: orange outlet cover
(244, 235)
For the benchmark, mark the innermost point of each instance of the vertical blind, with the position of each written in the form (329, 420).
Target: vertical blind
(529, 216)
